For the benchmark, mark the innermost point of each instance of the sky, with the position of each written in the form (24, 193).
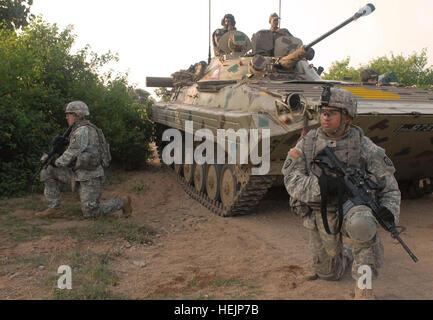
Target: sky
(160, 37)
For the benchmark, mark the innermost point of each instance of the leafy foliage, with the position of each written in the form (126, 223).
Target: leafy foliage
(14, 13)
(163, 94)
(38, 76)
(341, 69)
(410, 71)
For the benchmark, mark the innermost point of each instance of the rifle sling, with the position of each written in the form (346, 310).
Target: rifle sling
(324, 204)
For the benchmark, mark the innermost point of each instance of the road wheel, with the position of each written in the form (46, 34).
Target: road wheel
(227, 185)
(200, 177)
(212, 182)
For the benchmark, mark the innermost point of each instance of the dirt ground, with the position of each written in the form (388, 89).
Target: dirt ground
(192, 253)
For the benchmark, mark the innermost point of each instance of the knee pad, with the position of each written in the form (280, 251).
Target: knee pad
(361, 228)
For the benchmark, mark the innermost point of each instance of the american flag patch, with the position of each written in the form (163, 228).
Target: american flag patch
(295, 153)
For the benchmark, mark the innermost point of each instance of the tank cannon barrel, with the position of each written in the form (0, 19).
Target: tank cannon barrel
(364, 11)
(292, 58)
(158, 82)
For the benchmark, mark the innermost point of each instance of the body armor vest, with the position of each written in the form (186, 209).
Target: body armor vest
(347, 148)
(90, 158)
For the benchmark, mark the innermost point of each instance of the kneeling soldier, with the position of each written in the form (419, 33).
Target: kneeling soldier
(303, 179)
(81, 165)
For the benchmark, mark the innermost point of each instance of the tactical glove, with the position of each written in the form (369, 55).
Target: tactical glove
(330, 184)
(386, 216)
(44, 158)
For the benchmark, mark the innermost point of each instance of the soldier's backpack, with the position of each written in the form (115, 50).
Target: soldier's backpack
(104, 149)
(104, 146)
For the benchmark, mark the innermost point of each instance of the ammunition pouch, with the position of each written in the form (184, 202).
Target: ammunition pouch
(87, 161)
(299, 208)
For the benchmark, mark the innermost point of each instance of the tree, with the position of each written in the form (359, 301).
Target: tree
(341, 69)
(38, 76)
(411, 70)
(14, 13)
(163, 94)
(141, 95)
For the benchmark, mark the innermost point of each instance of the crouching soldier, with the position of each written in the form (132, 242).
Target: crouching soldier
(81, 165)
(311, 188)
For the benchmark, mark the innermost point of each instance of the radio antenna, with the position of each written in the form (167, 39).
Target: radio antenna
(209, 56)
(279, 15)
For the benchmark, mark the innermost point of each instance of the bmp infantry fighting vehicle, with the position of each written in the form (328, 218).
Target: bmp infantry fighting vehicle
(268, 83)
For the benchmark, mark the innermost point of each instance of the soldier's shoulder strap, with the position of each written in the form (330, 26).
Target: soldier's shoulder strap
(309, 145)
(87, 123)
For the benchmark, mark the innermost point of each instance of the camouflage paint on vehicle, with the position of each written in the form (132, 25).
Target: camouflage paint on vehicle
(238, 91)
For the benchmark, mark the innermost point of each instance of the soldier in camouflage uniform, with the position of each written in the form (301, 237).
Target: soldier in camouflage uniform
(228, 22)
(275, 27)
(369, 76)
(81, 166)
(302, 178)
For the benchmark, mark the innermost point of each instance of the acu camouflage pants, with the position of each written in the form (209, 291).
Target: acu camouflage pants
(331, 256)
(89, 192)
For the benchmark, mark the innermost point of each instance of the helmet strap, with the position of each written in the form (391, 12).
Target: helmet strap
(342, 124)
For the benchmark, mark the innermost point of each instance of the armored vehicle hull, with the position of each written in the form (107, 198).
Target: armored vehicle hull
(399, 120)
(275, 100)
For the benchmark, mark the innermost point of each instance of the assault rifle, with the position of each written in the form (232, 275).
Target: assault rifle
(58, 143)
(360, 189)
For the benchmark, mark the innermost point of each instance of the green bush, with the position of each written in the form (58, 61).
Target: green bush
(38, 76)
(411, 70)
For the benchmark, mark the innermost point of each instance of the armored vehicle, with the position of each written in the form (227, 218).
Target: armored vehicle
(268, 84)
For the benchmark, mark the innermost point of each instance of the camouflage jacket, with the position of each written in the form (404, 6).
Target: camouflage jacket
(301, 179)
(82, 154)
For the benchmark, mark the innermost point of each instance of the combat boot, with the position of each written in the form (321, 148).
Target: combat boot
(50, 213)
(363, 294)
(127, 206)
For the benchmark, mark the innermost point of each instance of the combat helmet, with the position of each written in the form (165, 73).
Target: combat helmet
(340, 98)
(229, 17)
(77, 107)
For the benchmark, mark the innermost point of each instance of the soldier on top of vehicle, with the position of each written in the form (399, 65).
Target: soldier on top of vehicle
(369, 76)
(274, 21)
(279, 42)
(228, 22)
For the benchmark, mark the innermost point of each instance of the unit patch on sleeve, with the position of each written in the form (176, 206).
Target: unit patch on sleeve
(295, 153)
